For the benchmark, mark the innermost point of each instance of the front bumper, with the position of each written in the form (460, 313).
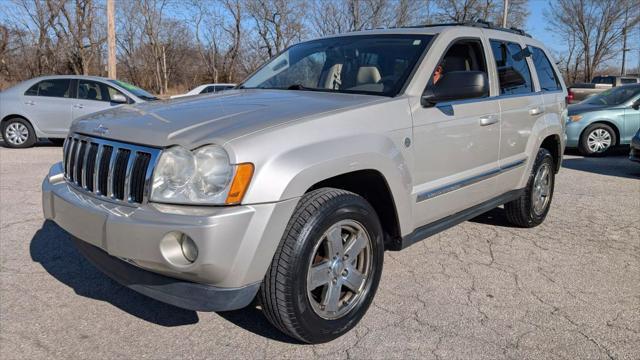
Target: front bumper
(235, 244)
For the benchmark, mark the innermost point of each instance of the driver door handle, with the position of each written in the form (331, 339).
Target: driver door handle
(78, 106)
(488, 120)
(29, 102)
(535, 111)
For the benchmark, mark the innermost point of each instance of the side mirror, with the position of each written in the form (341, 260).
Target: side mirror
(118, 99)
(456, 85)
(636, 105)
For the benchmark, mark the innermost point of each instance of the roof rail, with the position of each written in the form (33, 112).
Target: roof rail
(477, 23)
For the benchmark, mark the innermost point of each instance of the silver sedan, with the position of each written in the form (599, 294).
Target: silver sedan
(44, 107)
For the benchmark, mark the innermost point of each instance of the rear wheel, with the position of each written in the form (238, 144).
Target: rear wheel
(597, 139)
(18, 133)
(531, 208)
(327, 267)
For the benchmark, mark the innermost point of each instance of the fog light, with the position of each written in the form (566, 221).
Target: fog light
(189, 248)
(178, 248)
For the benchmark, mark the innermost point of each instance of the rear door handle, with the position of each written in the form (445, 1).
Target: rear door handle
(488, 120)
(78, 106)
(536, 111)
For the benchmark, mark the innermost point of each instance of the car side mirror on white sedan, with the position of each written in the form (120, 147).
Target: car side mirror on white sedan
(118, 99)
(636, 105)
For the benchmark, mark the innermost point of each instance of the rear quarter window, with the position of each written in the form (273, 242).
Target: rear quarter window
(547, 77)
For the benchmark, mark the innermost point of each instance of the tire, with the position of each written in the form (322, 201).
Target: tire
(288, 299)
(597, 139)
(18, 133)
(525, 211)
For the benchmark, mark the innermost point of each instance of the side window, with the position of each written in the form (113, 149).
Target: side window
(513, 71)
(463, 55)
(627, 81)
(547, 77)
(33, 90)
(112, 91)
(96, 91)
(51, 88)
(208, 89)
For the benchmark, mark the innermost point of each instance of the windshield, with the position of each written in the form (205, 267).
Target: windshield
(615, 96)
(135, 90)
(378, 65)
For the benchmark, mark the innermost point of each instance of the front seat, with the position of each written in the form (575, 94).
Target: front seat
(92, 94)
(368, 75)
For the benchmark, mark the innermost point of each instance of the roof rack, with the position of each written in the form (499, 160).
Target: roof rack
(478, 23)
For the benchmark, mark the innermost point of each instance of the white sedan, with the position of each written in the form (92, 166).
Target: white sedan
(206, 88)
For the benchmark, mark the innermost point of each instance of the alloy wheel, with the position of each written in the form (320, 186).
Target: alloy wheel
(541, 189)
(339, 272)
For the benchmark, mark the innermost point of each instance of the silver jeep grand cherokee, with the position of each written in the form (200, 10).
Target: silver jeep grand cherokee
(291, 186)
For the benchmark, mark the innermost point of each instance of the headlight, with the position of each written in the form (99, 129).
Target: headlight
(574, 118)
(202, 176)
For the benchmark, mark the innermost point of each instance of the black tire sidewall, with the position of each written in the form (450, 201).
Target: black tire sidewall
(544, 156)
(31, 140)
(584, 148)
(351, 207)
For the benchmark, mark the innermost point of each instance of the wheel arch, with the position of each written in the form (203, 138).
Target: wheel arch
(554, 145)
(12, 116)
(373, 187)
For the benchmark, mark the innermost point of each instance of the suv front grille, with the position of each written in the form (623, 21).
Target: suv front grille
(112, 170)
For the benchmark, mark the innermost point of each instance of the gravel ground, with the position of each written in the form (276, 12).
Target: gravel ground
(569, 288)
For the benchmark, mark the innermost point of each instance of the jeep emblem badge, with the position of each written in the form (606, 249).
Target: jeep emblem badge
(101, 130)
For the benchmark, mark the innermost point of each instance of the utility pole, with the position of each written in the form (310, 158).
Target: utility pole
(623, 70)
(111, 39)
(505, 11)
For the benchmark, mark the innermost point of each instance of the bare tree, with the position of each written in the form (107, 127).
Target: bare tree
(75, 29)
(598, 27)
(488, 10)
(278, 23)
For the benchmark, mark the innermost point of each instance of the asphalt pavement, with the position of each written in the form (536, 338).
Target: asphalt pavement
(567, 289)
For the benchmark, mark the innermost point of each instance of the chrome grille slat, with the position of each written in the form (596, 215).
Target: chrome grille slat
(127, 178)
(109, 170)
(112, 167)
(76, 167)
(83, 171)
(96, 171)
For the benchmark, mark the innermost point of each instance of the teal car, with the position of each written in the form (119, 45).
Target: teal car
(603, 121)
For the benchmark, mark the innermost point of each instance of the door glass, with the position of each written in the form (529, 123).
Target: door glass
(111, 91)
(546, 75)
(463, 55)
(513, 71)
(51, 88)
(93, 90)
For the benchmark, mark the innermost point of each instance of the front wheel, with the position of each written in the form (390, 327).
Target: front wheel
(18, 133)
(327, 267)
(597, 139)
(531, 208)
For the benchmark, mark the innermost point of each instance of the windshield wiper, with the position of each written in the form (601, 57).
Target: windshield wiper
(300, 87)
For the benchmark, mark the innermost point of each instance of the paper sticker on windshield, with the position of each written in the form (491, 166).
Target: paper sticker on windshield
(417, 42)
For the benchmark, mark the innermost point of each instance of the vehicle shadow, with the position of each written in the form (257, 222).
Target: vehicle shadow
(40, 143)
(494, 217)
(614, 164)
(252, 319)
(55, 251)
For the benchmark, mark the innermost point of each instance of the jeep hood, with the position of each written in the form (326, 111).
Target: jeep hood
(194, 121)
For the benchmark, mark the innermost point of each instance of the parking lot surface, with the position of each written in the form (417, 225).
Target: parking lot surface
(569, 288)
